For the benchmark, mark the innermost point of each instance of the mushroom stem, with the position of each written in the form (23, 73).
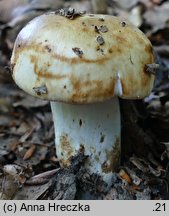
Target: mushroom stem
(92, 128)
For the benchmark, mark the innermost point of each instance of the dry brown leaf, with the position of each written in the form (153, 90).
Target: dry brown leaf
(42, 177)
(124, 175)
(38, 154)
(29, 152)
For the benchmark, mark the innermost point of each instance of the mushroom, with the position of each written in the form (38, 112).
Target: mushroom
(82, 64)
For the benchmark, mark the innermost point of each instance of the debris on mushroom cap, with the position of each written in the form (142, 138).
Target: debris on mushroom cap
(77, 51)
(100, 40)
(101, 28)
(96, 29)
(40, 90)
(70, 13)
(96, 57)
(151, 68)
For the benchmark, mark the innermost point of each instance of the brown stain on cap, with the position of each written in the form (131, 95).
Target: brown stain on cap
(40, 49)
(83, 90)
(41, 72)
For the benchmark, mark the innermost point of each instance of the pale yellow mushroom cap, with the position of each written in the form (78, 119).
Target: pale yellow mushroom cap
(87, 59)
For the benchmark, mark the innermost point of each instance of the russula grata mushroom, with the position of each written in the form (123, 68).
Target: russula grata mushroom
(83, 63)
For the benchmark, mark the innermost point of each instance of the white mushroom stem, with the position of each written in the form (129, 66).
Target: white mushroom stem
(93, 129)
